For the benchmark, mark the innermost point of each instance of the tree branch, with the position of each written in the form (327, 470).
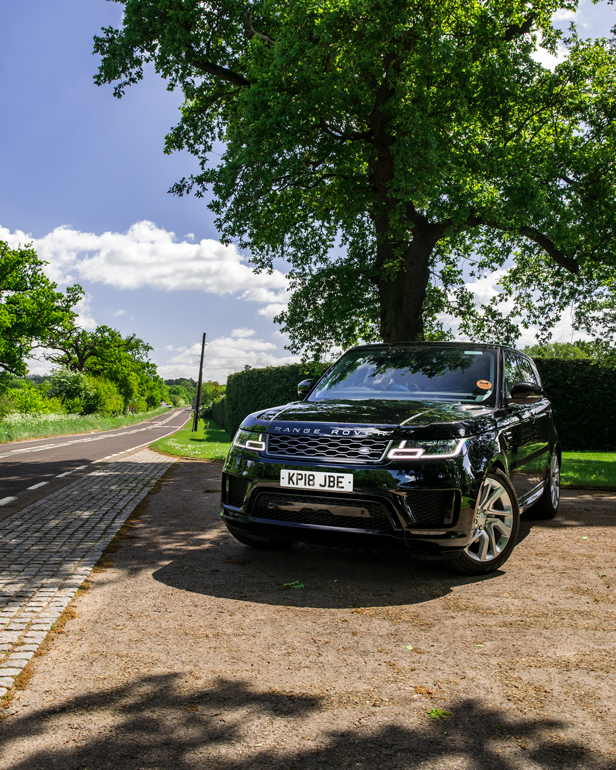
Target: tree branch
(250, 31)
(548, 246)
(223, 73)
(517, 30)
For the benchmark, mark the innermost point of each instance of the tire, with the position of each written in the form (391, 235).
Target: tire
(261, 543)
(546, 506)
(496, 527)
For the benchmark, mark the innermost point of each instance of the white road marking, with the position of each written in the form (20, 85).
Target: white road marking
(7, 500)
(147, 443)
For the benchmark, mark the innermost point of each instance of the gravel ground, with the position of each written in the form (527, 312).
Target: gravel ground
(188, 652)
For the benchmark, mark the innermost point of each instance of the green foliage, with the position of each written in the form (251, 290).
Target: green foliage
(30, 307)
(105, 353)
(70, 386)
(179, 395)
(254, 389)
(104, 398)
(29, 400)
(583, 395)
(388, 148)
(596, 351)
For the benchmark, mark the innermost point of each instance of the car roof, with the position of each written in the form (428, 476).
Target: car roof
(430, 343)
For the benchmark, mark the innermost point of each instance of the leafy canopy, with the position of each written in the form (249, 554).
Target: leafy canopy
(391, 149)
(30, 307)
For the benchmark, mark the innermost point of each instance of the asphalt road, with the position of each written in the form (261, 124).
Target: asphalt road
(30, 470)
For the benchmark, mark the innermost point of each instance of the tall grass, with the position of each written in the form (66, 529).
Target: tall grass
(19, 427)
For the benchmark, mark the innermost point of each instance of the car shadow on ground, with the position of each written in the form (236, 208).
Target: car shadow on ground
(157, 722)
(311, 576)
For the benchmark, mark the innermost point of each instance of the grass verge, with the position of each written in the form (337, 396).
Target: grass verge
(589, 469)
(45, 426)
(209, 442)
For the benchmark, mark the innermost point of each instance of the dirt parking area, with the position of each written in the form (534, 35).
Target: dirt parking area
(189, 652)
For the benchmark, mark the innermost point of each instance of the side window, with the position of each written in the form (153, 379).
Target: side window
(527, 372)
(510, 372)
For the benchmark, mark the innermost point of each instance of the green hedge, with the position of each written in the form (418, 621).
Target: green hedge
(254, 389)
(583, 395)
(218, 411)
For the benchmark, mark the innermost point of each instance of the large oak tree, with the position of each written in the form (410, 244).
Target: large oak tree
(390, 149)
(31, 308)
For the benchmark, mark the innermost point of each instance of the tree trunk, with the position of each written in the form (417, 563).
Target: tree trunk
(402, 296)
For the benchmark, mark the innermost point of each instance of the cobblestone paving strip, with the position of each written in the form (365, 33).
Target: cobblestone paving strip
(49, 548)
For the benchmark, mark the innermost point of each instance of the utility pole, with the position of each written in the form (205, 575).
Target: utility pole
(198, 401)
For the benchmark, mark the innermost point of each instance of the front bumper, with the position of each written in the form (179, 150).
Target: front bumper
(421, 506)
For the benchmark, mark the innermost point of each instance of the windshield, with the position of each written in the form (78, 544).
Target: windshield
(415, 374)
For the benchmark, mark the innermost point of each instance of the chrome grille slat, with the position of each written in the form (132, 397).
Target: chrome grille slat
(334, 448)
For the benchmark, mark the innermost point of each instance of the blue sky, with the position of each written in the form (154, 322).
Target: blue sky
(84, 175)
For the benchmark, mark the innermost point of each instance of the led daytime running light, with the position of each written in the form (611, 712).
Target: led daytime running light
(402, 452)
(243, 440)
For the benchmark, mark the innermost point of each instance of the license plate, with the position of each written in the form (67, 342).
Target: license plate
(319, 480)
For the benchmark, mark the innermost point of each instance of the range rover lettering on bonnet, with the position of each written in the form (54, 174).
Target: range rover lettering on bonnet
(321, 432)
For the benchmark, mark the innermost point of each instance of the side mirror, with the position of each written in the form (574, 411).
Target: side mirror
(525, 393)
(304, 388)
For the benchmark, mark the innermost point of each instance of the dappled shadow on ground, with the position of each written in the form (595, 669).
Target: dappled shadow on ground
(158, 722)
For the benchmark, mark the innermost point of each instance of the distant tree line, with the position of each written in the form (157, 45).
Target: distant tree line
(94, 371)
(184, 391)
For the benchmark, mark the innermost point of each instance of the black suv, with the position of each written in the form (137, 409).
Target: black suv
(431, 448)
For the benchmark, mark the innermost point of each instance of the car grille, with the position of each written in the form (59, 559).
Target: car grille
(336, 448)
(237, 490)
(313, 509)
(432, 507)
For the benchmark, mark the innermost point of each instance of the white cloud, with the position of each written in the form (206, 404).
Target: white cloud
(272, 310)
(243, 332)
(84, 310)
(484, 289)
(223, 356)
(549, 61)
(119, 313)
(148, 255)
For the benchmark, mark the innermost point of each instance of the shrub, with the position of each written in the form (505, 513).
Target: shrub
(72, 388)
(30, 400)
(103, 398)
(583, 395)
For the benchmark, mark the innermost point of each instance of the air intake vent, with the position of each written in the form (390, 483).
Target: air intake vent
(237, 491)
(322, 511)
(432, 508)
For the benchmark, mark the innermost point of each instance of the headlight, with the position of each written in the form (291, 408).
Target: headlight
(245, 439)
(427, 450)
